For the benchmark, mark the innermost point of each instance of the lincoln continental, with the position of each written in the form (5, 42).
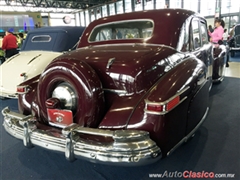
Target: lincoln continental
(135, 89)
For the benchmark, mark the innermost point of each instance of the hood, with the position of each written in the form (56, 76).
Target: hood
(27, 63)
(128, 68)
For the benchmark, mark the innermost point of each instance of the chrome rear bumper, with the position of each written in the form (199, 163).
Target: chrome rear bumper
(8, 95)
(234, 48)
(129, 147)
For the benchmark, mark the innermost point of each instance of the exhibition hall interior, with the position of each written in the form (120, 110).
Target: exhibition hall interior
(119, 89)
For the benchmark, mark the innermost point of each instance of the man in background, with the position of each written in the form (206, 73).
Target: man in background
(9, 44)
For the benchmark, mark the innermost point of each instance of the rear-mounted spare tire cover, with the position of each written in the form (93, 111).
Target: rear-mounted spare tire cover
(86, 84)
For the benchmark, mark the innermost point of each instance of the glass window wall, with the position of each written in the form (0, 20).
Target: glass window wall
(160, 4)
(92, 14)
(77, 18)
(104, 11)
(128, 6)
(175, 3)
(208, 8)
(111, 9)
(148, 4)
(98, 13)
(87, 18)
(191, 5)
(138, 5)
(119, 5)
(82, 19)
(230, 6)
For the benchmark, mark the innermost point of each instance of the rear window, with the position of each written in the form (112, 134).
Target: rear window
(41, 38)
(140, 29)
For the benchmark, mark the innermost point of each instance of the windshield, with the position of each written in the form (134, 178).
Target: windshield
(140, 29)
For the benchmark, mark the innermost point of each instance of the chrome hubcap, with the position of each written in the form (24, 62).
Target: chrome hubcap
(65, 93)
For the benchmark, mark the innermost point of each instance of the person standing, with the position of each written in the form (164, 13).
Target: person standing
(21, 37)
(217, 34)
(225, 37)
(9, 44)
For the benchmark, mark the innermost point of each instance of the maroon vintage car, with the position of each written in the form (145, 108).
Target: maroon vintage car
(135, 89)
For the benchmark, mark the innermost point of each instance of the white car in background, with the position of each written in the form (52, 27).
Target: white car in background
(39, 49)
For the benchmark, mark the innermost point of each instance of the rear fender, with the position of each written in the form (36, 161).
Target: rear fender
(168, 128)
(25, 100)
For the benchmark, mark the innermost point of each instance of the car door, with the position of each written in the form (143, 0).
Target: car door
(200, 45)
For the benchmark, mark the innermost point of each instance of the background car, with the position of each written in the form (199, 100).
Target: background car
(135, 89)
(234, 41)
(40, 47)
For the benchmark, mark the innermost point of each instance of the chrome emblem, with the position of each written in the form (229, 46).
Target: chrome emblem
(59, 118)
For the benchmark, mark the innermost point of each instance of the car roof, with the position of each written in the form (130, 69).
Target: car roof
(167, 24)
(69, 29)
(60, 38)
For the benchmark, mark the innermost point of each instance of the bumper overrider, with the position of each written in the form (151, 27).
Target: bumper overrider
(129, 147)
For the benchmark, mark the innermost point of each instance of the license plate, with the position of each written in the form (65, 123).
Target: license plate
(60, 117)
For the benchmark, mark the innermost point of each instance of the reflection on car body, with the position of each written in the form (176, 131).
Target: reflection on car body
(234, 41)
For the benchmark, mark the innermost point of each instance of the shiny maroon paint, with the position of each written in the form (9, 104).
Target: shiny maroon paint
(150, 69)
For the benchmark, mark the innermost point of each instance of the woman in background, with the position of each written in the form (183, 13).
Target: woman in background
(217, 34)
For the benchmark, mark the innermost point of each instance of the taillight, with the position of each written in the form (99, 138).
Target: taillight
(165, 106)
(23, 74)
(162, 107)
(154, 107)
(22, 89)
(172, 103)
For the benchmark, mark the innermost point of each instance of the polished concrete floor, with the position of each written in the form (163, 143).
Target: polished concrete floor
(233, 70)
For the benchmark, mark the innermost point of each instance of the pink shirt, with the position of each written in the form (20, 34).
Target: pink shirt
(217, 34)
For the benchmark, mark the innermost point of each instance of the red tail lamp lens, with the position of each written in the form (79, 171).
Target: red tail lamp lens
(21, 89)
(155, 107)
(163, 107)
(171, 104)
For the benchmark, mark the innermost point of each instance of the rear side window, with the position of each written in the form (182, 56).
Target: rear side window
(41, 38)
(196, 34)
(204, 33)
(139, 29)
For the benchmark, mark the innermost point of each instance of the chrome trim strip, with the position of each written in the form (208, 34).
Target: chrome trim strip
(234, 48)
(166, 102)
(220, 79)
(128, 147)
(117, 91)
(110, 62)
(165, 111)
(48, 38)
